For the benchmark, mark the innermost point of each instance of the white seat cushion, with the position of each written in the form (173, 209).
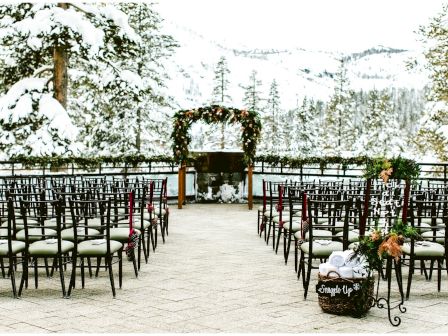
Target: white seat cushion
(49, 247)
(439, 234)
(353, 235)
(322, 248)
(97, 247)
(424, 249)
(16, 247)
(296, 226)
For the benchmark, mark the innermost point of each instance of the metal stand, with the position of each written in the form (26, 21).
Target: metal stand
(385, 302)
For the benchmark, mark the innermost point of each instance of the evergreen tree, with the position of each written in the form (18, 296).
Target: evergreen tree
(432, 136)
(41, 40)
(273, 135)
(381, 134)
(252, 94)
(305, 122)
(339, 133)
(219, 94)
(127, 107)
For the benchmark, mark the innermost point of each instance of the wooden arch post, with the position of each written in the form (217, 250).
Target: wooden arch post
(250, 201)
(181, 183)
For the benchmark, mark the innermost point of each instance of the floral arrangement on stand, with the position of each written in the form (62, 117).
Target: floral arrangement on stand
(378, 244)
(249, 120)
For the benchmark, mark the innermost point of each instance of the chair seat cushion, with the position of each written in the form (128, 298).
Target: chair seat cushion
(353, 235)
(322, 248)
(320, 234)
(49, 247)
(137, 225)
(121, 234)
(438, 234)
(296, 226)
(424, 249)
(68, 234)
(97, 247)
(439, 221)
(260, 208)
(35, 234)
(16, 247)
(94, 223)
(423, 227)
(276, 217)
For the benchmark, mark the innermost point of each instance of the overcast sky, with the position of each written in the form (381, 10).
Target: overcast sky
(337, 25)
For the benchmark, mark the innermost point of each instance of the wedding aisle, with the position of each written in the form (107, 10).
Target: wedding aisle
(213, 274)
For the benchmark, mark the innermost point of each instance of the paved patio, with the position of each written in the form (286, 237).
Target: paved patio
(214, 274)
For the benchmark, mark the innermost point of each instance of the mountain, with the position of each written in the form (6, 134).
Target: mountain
(299, 72)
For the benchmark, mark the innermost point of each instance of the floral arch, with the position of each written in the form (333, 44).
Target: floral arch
(249, 120)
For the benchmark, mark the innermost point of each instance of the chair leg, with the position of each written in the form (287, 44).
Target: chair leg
(411, 272)
(12, 276)
(111, 273)
(280, 230)
(439, 274)
(139, 249)
(82, 273)
(162, 231)
(296, 254)
(24, 274)
(61, 274)
(306, 281)
(269, 232)
(36, 274)
(72, 277)
(2, 267)
(155, 237)
(398, 275)
(98, 265)
(120, 267)
(134, 263)
(258, 222)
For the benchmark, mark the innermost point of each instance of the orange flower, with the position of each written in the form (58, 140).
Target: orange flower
(386, 173)
(391, 245)
(375, 235)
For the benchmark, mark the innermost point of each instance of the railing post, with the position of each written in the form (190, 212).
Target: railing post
(250, 199)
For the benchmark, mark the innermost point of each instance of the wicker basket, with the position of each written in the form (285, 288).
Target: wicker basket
(356, 305)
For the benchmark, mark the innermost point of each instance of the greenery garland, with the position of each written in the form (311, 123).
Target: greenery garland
(249, 120)
(396, 168)
(402, 168)
(58, 161)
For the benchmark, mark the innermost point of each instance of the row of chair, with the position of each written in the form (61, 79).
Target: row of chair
(333, 213)
(80, 224)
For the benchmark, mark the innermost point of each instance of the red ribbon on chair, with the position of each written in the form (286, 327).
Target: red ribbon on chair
(133, 236)
(280, 206)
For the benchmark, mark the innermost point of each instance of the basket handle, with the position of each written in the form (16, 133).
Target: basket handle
(334, 272)
(349, 280)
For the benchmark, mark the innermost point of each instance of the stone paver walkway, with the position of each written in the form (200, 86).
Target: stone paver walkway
(214, 274)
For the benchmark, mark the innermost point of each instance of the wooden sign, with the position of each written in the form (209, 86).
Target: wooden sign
(338, 289)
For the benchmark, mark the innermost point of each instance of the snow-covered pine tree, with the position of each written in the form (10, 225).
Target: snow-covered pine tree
(128, 112)
(273, 137)
(252, 93)
(432, 139)
(381, 134)
(305, 125)
(221, 97)
(41, 40)
(339, 132)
